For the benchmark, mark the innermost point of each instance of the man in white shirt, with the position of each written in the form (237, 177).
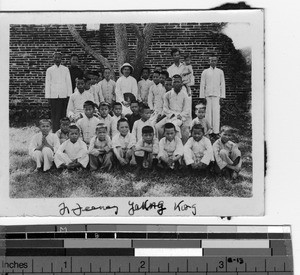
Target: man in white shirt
(177, 67)
(58, 88)
(212, 87)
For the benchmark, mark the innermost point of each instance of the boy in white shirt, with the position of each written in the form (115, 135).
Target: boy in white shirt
(227, 154)
(43, 145)
(100, 150)
(73, 153)
(88, 123)
(106, 89)
(123, 144)
(81, 94)
(144, 121)
(198, 151)
(143, 86)
(170, 148)
(58, 88)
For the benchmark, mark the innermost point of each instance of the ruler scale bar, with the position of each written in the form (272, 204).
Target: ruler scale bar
(145, 249)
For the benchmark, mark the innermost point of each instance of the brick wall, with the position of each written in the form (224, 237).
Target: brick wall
(31, 48)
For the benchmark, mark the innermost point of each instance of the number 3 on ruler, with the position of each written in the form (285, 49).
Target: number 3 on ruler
(221, 264)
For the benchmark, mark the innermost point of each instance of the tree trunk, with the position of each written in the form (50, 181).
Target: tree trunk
(89, 50)
(121, 44)
(142, 46)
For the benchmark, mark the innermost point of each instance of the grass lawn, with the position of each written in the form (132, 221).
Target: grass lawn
(26, 184)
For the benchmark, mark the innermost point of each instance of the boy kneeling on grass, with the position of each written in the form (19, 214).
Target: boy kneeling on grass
(227, 154)
(198, 151)
(123, 144)
(43, 145)
(146, 149)
(170, 148)
(73, 153)
(100, 149)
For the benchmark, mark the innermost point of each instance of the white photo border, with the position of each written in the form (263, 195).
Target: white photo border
(205, 206)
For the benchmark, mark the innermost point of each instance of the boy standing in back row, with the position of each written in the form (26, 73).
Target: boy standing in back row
(212, 88)
(58, 88)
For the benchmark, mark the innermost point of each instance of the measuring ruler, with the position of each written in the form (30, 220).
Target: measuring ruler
(146, 249)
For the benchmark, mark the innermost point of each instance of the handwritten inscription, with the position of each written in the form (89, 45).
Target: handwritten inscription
(146, 205)
(134, 207)
(77, 211)
(182, 207)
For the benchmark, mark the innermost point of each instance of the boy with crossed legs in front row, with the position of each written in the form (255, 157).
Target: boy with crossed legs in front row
(170, 148)
(123, 143)
(227, 154)
(146, 149)
(100, 149)
(72, 154)
(198, 151)
(43, 145)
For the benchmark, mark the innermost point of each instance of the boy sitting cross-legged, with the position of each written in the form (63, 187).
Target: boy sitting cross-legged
(123, 143)
(170, 148)
(73, 153)
(43, 145)
(227, 154)
(198, 151)
(146, 149)
(100, 149)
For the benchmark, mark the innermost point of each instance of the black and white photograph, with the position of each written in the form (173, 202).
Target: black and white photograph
(133, 113)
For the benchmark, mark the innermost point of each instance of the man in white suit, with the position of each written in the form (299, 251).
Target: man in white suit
(58, 89)
(212, 88)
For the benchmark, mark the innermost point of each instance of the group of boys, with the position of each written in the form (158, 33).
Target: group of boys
(146, 123)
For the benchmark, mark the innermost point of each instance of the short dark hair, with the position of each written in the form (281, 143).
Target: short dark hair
(65, 119)
(168, 79)
(187, 55)
(96, 73)
(145, 68)
(202, 101)
(174, 50)
(147, 129)
(122, 120)
(169, 125)
(74, 54)
(144, 107)
(101, 126)
(177, 76)
(89, 103)
(165, 73)
(103, 103)
(85, 79)
(45, 120)
(156, 72)
(117, 104)
(74, 127)
(134, 101)
(197, 127)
